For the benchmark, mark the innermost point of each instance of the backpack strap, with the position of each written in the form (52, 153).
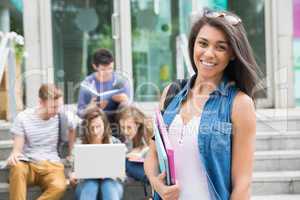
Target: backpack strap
(173, 90)
(59, 134)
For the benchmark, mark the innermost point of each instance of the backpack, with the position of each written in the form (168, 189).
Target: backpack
(62, 142)
(173, 90)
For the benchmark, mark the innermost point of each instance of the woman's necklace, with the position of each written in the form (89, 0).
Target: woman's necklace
(188, 109)
(182, 134)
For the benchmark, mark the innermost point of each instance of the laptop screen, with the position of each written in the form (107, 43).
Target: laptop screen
(99, 160)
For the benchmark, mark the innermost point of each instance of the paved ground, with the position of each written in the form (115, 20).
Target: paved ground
(278, 197)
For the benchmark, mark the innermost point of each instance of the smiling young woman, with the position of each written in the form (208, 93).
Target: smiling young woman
(213, 116)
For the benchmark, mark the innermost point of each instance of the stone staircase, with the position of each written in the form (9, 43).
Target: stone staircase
(276, 168)
(277, 157)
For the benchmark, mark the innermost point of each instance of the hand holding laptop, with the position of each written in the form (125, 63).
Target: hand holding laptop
(73, 179)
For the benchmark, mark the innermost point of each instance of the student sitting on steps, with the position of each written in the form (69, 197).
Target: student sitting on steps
(96, 130)
(37, 136)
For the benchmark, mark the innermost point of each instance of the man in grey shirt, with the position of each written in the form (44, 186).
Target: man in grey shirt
(34, 159)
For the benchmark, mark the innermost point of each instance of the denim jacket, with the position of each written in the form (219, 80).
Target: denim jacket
(215, 134)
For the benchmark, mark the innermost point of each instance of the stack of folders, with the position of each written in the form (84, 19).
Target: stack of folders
(164, 149)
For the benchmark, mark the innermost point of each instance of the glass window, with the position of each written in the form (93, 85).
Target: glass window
(185, 9)
(155, 26)
(252, 13)
(79, 28)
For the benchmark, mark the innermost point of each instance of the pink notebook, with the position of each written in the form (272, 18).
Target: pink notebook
(169, 149)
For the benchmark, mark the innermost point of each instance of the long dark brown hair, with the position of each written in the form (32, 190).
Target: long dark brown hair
(86, 137)
(243, 70)
(144, 131)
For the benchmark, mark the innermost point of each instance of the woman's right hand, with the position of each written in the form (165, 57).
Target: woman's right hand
(73, 179)
(166, 192)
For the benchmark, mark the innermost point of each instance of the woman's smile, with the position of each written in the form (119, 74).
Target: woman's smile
(207, 64)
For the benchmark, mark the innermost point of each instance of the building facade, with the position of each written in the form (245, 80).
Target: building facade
(296, 49)
(148, 38)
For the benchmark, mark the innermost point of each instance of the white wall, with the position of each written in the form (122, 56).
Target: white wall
(38, 43)
(282, 53)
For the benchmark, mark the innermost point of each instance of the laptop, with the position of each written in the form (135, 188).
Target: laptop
(99, 161)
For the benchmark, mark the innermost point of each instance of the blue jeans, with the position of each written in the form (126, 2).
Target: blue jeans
(90, 189)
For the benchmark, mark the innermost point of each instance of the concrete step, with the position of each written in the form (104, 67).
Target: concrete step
(33, 193)
(4, 172)
(277, 160)
(5, 148)
(267, 119)
(277, 140)
(264, 161)
(278, 119)
(285, 183)
(132, 191)
(4, 130)
(276, 197)
(276, 183)
(262, 125)
(264, 141)
(288, 124)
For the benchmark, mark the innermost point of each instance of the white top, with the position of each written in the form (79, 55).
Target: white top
(189, 171)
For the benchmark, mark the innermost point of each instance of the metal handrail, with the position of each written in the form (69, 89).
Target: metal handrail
(7, 56)
(182, 57)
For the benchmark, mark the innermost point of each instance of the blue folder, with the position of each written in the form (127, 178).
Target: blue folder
(161, 153)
